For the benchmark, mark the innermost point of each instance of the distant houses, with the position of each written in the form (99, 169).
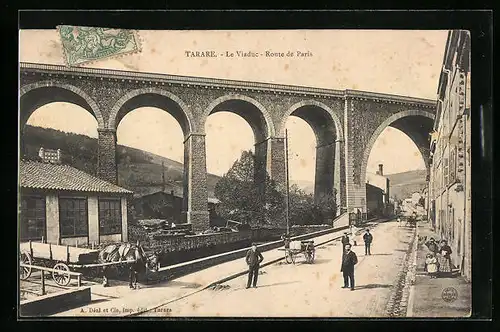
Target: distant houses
(166, 203)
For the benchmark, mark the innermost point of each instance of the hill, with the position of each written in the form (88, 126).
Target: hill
(402, 185)
(138, 170)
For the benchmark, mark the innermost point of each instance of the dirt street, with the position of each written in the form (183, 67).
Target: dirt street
(309, 290)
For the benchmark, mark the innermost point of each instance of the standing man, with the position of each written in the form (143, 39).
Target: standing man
(345, 240)
(253, 259)
(368, 238)
(349, 259)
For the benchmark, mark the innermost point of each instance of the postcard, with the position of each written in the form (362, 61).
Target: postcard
(244, 173)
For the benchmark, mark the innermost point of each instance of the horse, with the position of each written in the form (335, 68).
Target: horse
(139, 264)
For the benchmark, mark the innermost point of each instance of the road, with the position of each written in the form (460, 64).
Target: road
(119, 300)
(308, 290)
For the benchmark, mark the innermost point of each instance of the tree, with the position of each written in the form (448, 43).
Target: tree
(244, 200)
(306, 210)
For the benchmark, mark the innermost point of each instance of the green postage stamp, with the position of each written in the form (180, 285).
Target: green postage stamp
(87, 44)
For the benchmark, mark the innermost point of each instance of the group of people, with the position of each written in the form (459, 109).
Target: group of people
(438, 260)
(349, 259)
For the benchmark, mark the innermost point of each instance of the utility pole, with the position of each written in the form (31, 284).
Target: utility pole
(287, 186)
(163, 175)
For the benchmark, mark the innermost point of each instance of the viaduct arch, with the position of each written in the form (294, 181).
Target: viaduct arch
(345, 123)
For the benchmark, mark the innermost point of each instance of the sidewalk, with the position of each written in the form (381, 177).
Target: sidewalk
(441, 297)
(119, 300)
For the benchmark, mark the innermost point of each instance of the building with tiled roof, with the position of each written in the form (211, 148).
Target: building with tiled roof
(63, 205)
(165, 202)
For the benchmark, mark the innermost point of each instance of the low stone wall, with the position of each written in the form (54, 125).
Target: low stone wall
(56, 302)
(300, 230)
(197, 246)
(193, 242)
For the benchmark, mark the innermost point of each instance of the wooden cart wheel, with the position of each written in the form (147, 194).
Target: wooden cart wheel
(288, 257)
(25, 272)
(61, 278)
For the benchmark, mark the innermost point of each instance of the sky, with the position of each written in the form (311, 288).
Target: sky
(396, 62)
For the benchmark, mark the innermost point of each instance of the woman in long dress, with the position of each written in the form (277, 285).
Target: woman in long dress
(444, 259)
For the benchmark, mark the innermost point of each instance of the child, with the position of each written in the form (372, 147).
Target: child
(431, 265)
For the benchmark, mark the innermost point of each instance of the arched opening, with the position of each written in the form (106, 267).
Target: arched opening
(151, 128)
(61, 126)
(45, 108)
(34, 96)
(256, 117)
(301, 154)
(396, 162)
(151, 98)
(235, 124)
(325, 171)
(227, 136)
(150, 150)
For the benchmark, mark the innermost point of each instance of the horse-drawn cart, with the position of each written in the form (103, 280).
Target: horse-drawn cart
(63, 259)
(295, 248)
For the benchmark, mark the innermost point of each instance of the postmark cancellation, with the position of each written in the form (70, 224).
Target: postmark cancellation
(84, 45)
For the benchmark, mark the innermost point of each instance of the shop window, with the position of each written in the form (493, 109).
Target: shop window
(33, 219)
(73, 219)
(110, 216)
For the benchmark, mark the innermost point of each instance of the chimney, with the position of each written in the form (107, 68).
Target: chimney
(50, 156)
(380, 169)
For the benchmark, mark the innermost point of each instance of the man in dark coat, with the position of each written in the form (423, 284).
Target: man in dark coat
(253, 259)
(345, 240)
(368, 238)
(349, 259)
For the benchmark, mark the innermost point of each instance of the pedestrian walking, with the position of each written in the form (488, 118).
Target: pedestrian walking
(399, 221)
(444, 259)
(368, 238)
(253, 259)
(431, 265)
(349, 259)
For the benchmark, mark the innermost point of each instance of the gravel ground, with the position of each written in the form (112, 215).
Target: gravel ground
(312, 290)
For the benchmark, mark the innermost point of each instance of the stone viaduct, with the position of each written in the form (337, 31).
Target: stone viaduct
(346, 123)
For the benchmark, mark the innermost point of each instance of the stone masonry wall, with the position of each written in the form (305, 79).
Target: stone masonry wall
(107, 168)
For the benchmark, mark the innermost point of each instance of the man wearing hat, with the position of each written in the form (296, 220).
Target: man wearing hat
(253, 259)
(368, 238)
(345, 240)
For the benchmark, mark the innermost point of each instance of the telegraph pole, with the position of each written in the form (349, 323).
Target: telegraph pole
(287, 186)
(163, 175)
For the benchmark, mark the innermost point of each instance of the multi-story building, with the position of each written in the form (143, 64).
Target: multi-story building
(449, 178)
